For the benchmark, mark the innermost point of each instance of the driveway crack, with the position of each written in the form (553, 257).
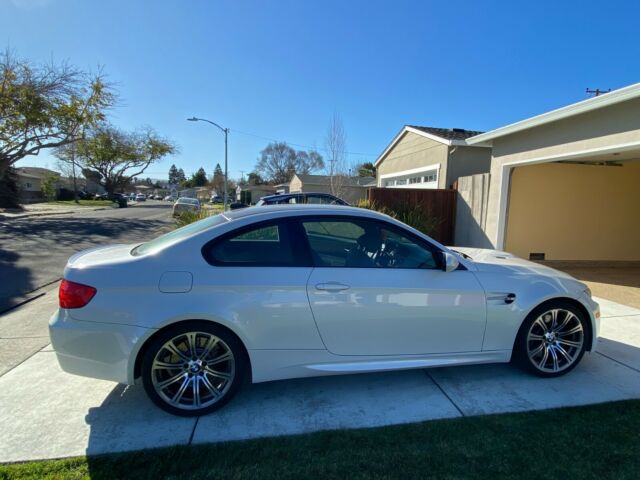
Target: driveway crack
(618, 362)
(195, 425)
(444, 393)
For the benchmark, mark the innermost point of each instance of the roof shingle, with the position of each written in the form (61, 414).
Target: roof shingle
(448, 133)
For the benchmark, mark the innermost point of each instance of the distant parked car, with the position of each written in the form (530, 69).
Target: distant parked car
(297, 198)
(237, 205)
(120, 198)
(140, 197)
(216, 199)
(101, 196)
(186, 205)
(132, 196)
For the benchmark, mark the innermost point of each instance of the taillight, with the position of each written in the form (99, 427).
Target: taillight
(75, 295)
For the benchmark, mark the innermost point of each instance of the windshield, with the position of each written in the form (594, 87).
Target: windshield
(175, 236)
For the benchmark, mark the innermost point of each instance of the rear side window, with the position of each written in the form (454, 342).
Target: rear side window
(262, 245)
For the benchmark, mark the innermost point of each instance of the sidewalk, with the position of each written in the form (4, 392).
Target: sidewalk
(46, 413)
(42, 209)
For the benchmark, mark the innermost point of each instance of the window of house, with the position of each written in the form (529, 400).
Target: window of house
(431, 176)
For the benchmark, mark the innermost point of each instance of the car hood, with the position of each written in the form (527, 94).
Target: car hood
(497, 261)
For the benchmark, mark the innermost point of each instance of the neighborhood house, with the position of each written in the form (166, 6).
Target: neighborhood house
(558, 186)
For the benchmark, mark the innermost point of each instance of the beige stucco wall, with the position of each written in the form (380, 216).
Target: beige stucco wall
(295, 185)
(415, 151)
(466, 161)
(610, 126)
(575, 212)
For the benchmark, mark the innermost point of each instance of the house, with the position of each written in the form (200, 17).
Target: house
(251, 194)
(429, 157)
(350, 189)
(30, 182)
(565, 185)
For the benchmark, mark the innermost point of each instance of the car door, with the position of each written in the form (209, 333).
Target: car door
(257, 278)
(379, 290)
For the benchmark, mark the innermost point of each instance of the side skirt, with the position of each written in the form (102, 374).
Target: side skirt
(268, 365)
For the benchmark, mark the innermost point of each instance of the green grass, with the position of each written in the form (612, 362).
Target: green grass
(83, 203)
(594, 442)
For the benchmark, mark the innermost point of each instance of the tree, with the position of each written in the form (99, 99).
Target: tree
(115, 156)
(254, 178)
(366, 169)
(181, 177)
(173, 175)
(69, 166)
(9, 190)
(199, 179)
(48, 186)
(336, 148)
(46, 106)
(278, 162)
(218, 179)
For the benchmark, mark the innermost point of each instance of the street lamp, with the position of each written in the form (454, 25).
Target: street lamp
(226, 135)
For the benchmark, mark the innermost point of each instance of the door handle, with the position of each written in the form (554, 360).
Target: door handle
(332, 286)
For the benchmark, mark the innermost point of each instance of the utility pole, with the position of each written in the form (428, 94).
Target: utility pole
(596, 92)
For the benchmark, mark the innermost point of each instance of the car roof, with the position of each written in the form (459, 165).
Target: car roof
(296, 194)
(302, 209)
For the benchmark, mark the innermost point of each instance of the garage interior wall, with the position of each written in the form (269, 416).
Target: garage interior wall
(575, 212)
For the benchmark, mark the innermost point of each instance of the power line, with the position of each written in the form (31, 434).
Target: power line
(298, 144)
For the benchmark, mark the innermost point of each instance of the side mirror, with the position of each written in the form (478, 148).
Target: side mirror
(450, 262)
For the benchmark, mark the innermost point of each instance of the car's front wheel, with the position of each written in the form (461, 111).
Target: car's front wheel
(193, 368)
(552, 340)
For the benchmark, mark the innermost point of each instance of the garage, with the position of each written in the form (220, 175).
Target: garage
(575, 211)
(565, 185)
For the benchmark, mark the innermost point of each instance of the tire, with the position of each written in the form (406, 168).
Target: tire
(552, 339)
(192, 381)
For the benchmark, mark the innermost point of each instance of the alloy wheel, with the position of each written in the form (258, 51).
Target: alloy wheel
(193, 370)
(555, 340)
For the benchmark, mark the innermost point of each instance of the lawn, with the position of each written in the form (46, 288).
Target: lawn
(593, 442)
(83, 203)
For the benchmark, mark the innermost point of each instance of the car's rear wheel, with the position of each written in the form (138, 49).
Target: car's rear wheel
(552, 340)
(193, 368)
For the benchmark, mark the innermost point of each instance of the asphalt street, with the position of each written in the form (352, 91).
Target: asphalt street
(34, 250)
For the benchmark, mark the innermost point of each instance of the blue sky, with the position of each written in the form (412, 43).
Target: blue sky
(280, 69)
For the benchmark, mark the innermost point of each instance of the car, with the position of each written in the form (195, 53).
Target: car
(216, 199)
(132, 197)
(140, 197)
(120, 198)
(310, 197)
(288, 291)
(101, 196)
(169, 198)
(185, 204)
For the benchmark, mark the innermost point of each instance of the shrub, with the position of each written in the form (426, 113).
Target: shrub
(415, 216)
(185, 218)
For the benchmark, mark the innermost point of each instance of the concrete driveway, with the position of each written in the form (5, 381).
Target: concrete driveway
(46, 413)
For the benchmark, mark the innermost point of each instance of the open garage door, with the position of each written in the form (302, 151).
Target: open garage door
(588, 210)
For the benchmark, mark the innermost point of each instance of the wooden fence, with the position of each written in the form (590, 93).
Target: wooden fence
(441, 204)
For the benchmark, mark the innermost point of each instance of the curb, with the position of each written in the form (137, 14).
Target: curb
(49, 214)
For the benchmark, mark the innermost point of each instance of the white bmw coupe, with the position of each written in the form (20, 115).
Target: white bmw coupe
(288, 291)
